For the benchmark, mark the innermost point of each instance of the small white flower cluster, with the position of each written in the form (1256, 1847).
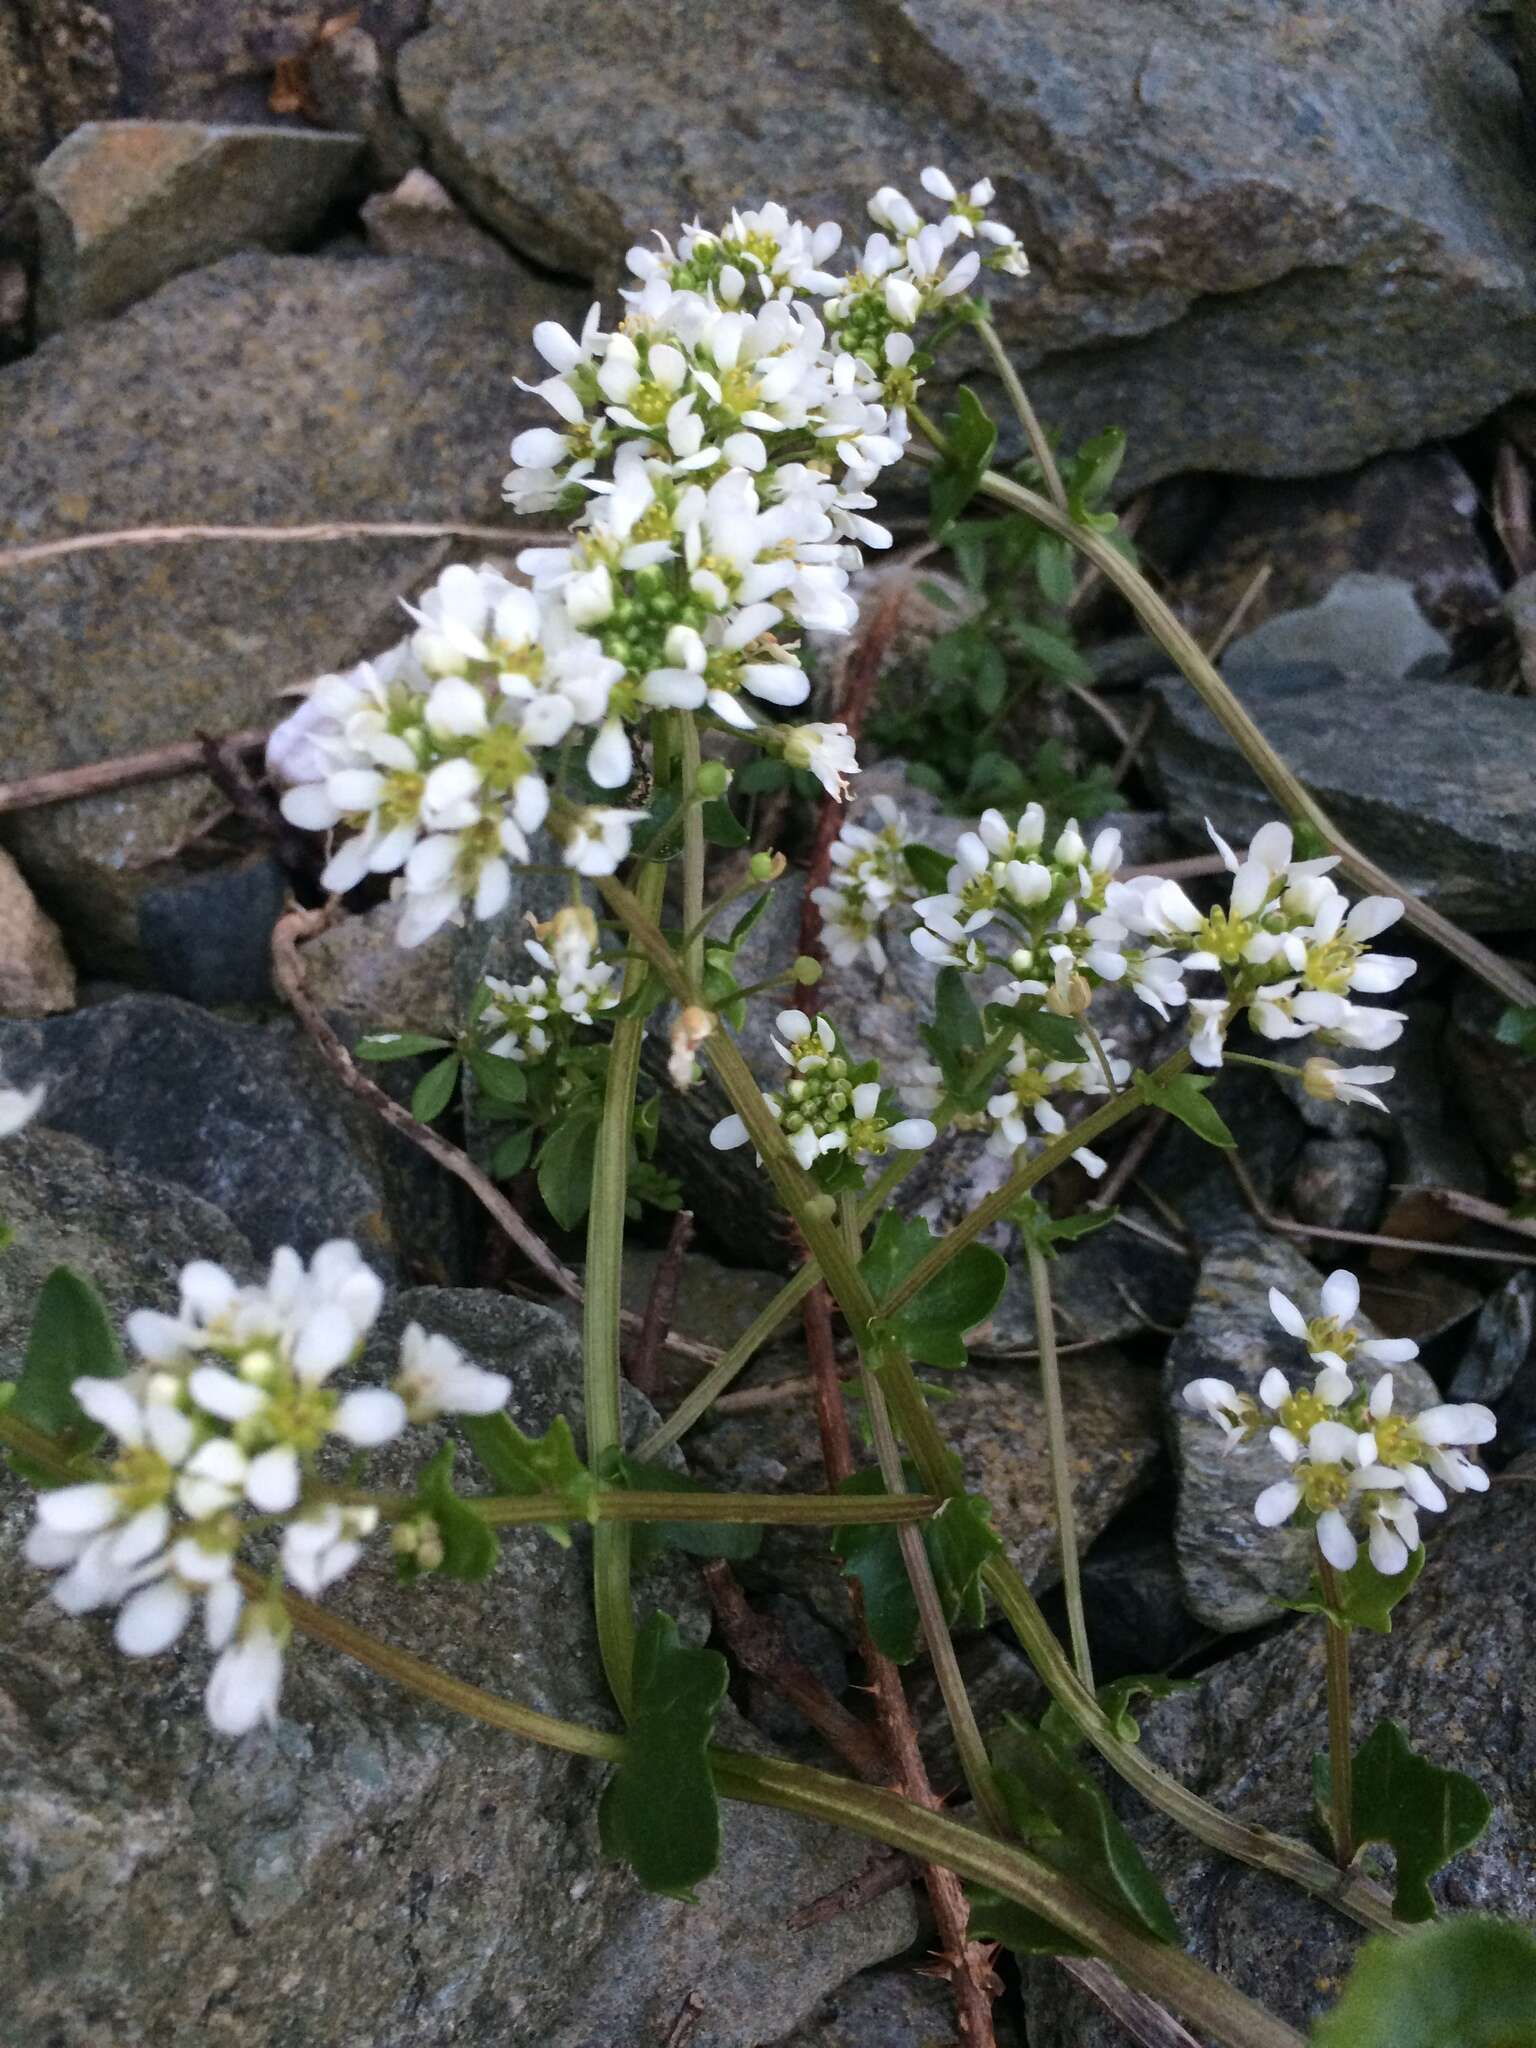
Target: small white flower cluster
(868, 881)
(1289, 947)
(825, 1108)
(1045, 913)
(18, 1106)
(226, 1412)
(1356, 1466)
(574, 988)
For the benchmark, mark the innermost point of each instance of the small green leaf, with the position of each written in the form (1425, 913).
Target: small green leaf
(1021, 1932)
(758, 777)
(565, 1169)
(1095, 467)
(1063, 1815)
(1054, 572)
(932, 1325)
(1046, 1231)
(1427, 1814)
(735, 1541)
(434, 1091)
(952, 483)
(503, 1079)
(71, 1338)
(1055, 1036)
(722, 827)
(1517, 1027)
(959, 1541)
(1184, 1097)
(659, 1811)
(511, 1155)
(928, 868)
(396, 1045)
(519, 1464)
(470, 1548)
(1366, 1596)
(1055, 654)
(1066, 1738)
(956, 1034)
(1468, 1983)
(748, 918)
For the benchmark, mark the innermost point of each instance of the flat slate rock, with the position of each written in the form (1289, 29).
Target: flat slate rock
(1256, 250)
(267, 390)
(389, 1874)
(1435, 780)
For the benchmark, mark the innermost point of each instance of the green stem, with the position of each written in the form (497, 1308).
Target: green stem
(618, 1504)
(1061, 1460)
(1024, 412)
(877, 1815)
(1341, 1754)
(600, 1315)
(1295, 800)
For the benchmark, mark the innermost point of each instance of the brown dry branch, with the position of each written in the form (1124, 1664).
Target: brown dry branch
(288, 979)
(324, 530)
(1382, 1241)
(643, 1360)
(1142, 2018)
(885, 1871)
(156, 764)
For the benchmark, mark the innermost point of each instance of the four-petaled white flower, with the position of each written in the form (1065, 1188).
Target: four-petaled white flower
(823, 1109)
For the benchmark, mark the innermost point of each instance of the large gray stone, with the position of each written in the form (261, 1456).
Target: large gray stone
(57, 68)
(123, 206)
(243, 1115)
(1366, 621)
(1455, 1671)
(375, 1873)
(1235, 1573)
(266, 390)
(892, 2009)
(1255, 249)
(36, 975)
(1434, 780)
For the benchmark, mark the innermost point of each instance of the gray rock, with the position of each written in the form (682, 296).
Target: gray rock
(1430, 1148)
(209, 937)
(1367, 622)
(364, 981)
(36, 974)
(1195, 1180)
(426, 1880)
(1210, 218)
(994, 1419)
(999, 1680)
(69, 1205)
(1433, 779)
(241, 1114)
(348, 84)
(1339, 1183)
(123, 206)
(1127, 1278)
(1500, 1344)
(420, 217)
(302, 388)
(1415, 516)
(1234, 1572)
(891, 2009)
(1494, 1084)
(1133, 1598)
(57, 68)
(1455, 1671)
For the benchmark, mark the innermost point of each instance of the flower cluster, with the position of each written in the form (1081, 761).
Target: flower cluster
(227, 1411)
(572, 989)
(831, 1108)
(1356, 1466)
(868, 881)
(1289, 947)
(713, 454)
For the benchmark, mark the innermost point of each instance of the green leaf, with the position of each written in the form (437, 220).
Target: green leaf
(1095, 467)
(735, 1541)
(959, 1541)
(1055, 654)
(1366, 1596)
(1066, 1738)
(1517, 1027)
(956, 1034)
(722, 827)
(1021, 1932)
(1468, 1983)
(1055, 1036)
(434, 1091)
(396, 1045)
(1063, 1815)
(928, 868)
(519, 1464)
(565, 1168)
(1054, 570)
(470, 1548)
(511, 1155)
(1047, 1231)
(932, 1325)
(1427, 1814)
(952, 483)
(748, 918)
(659, 1811)
(758, 777)
(71, 1338)
(503, 1079)
(1184, 1097)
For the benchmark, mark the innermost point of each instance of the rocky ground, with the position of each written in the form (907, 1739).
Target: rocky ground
(260, 266)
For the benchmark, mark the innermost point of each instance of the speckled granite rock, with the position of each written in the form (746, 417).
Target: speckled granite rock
(1234, 1571)
(392, 1878)
(268, 389)
(125, 205)
(36, 975)
(1456, 1671)
(891, 2009)
(1257, 247)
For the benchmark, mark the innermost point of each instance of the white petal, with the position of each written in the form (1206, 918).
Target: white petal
(1336, 1541)
(272, 1480)
(370, 1415)
(1277, 1503)
(150, 1620)
(1287, 1314)
(1341, 1296)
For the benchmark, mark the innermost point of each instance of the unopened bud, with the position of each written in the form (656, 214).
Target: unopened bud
(1320, 1079)
(692, 1026)
(714, 779)
(1075, 999)
(806, 971)
(767, 866)
(821, 1208)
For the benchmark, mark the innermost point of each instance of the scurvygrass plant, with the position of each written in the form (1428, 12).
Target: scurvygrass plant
(712, 452)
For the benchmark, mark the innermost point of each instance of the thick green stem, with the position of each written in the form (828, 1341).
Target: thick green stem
(1341, 1754)
(600, 1316)
(1061, 1460)
(1295, 800)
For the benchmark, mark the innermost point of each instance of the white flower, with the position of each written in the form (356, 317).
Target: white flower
(828, 752)
(435, 1378)
(245, 1683)
(1331, 1336)
(321, 1546)
(1325, 1081)
(1221, 1403)
(597, 839)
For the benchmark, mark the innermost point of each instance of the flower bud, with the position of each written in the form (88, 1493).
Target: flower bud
(806, 971)
(692, 1027)
(714, 779)
(767, 866)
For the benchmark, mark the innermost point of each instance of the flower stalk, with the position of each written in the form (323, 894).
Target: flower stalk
(1061, 1459)
(1341, 1791)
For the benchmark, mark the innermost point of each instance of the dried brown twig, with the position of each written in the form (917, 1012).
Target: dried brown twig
(322, 530)
(156, 764)
(642, 1362)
